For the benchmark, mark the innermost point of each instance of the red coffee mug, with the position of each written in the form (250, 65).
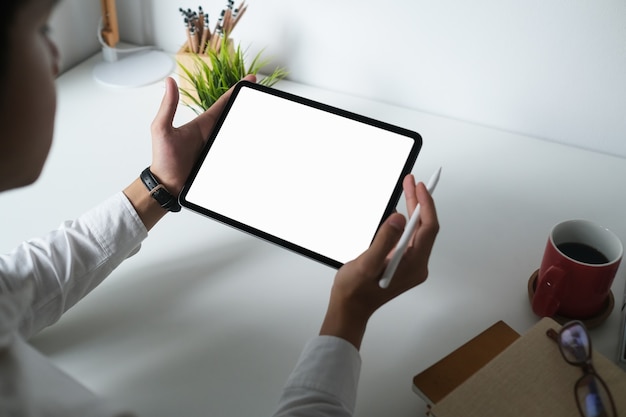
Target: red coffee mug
(578, 267)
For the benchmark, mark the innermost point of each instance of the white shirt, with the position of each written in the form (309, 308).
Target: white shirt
(44, 277)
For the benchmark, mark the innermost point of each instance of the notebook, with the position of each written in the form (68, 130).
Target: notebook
(529, 378)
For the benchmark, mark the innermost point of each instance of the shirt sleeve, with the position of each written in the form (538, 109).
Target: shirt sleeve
(324, 381)
(66, 264)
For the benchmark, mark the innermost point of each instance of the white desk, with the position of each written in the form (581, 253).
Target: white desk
(226, 315)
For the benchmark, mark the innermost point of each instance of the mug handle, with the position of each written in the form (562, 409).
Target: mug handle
(545, 301)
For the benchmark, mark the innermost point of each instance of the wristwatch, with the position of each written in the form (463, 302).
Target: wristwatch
(159, 192)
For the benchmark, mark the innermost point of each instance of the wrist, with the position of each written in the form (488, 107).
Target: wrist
(346, 324)
(148, 209)
(159, 192)
(164, 176)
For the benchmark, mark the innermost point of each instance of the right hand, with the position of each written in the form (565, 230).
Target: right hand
(356, 295)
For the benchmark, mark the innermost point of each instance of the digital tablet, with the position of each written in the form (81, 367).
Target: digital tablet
(304, 175)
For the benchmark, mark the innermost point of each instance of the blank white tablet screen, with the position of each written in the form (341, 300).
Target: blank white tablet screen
(307, 176)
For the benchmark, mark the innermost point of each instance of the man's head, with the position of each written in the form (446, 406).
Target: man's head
(28, 67)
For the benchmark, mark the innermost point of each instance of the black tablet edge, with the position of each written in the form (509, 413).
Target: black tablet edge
(267, 237)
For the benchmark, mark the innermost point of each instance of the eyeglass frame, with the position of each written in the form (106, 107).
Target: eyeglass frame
(586, 365)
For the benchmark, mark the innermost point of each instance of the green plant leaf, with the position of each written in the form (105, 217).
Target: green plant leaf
(212, 75)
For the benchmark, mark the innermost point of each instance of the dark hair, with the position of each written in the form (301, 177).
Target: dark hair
(8, 9)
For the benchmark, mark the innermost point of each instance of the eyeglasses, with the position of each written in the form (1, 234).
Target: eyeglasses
(592, 394)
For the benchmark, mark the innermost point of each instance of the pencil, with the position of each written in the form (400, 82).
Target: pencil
(194, 39)
(206, 35)
(242, 10)
(227, 21)
(188, 31)
(200, 19)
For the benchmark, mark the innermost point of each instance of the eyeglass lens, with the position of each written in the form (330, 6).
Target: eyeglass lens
(593, 397)
(574, 343)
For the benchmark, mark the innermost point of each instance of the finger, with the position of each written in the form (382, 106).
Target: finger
(206, 121)
(165, 115)
(409, 193)
(219, 105)
(388, 235)
(250, 77)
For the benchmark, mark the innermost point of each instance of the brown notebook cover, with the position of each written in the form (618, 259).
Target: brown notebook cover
(440, 379)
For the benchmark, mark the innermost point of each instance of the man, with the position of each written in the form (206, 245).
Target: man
(43, 278)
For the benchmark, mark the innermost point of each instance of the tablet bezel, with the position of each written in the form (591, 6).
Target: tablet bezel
(390, 207)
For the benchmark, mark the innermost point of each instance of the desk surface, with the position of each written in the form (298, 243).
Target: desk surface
(209, 320)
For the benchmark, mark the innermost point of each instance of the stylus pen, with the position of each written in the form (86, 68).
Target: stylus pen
(406, 236)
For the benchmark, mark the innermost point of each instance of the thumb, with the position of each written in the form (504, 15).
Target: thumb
(207, 120)
(386, 238)
(165, 115)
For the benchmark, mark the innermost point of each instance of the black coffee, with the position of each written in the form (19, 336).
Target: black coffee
(582, 253)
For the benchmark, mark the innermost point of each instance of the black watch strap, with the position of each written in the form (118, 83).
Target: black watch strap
(159, 192)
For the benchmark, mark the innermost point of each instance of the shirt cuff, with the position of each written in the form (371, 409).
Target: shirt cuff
(329, 365)
(124, 238)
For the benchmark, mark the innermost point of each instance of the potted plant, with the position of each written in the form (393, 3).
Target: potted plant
(205, 78)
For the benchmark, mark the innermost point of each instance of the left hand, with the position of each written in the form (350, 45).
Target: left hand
(176, 149)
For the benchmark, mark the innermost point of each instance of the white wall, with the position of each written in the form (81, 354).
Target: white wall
(554, 69)
(74, 24)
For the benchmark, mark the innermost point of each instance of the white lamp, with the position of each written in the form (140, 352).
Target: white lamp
(128, 67)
